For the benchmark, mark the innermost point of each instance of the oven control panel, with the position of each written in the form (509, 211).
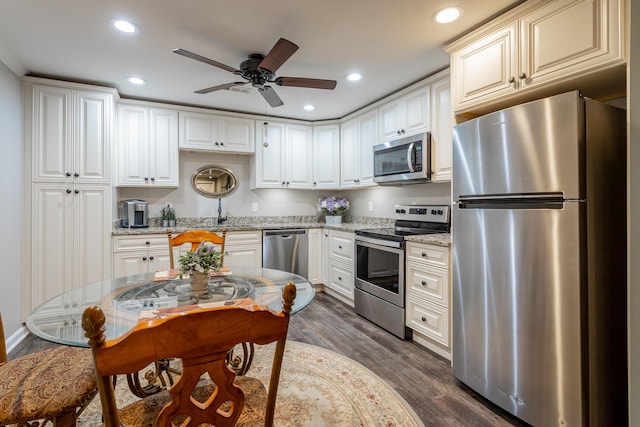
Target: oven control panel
(430, 213)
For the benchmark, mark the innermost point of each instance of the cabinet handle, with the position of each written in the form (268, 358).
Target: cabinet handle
(76, 174)
(512, 79)
(146, 178)
(340, 278)
(68, 174)
(339, 247)
(222, 143)
(265, 144)
(423, 283)
(402, 131)
(522, 76)
(68, 191)
(153, 179)
(423, 254)
(216, 143)
(314, 183)
(144, 258)
(147, 242)
(398, 132)
(282, 182)
(151, 258)
(287, 182)
(424, 319)
(76, 191)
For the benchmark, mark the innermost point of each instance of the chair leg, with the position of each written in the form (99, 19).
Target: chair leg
(66, 419)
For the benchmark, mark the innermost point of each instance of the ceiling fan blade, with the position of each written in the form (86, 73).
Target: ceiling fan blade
(270, 96)
(278, 55)
(219, 87)
(304, 82)
(205, 60)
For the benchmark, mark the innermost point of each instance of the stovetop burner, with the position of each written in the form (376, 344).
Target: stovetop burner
(412, 220)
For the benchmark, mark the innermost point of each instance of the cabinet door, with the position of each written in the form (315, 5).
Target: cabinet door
(326, 249)
(368, 137)
(349, 163)
(52, 151)
(91, 147)
(326, 157)
(163, 147)
(132, 146)
(243, 256)
(298, 152)
(315, 258)
(269, 160)
(441, 132)
(130, 263)
(415, 112)
(159, 260)
(570, 36)
(390, 120)
(487, 68)
(236, 134)
(198, 131)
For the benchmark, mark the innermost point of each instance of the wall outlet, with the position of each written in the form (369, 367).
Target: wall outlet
(254, 207)
(370, 207)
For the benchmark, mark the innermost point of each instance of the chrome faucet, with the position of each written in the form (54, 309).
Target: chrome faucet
(221, 219)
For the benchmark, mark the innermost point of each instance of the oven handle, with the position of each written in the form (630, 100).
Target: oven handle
(380, 242)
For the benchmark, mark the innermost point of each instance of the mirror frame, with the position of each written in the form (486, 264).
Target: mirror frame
(207, 193)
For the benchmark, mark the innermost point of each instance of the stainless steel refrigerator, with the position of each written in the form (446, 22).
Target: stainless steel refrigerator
(539, 260)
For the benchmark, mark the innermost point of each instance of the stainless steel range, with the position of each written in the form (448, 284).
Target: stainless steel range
(379, 294)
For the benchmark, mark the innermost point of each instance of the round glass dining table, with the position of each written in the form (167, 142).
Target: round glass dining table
(127, 300)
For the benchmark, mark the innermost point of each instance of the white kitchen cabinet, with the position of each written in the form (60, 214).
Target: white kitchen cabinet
(283, 156)
(243, 249)
(326, 157)
(441, 130)
(147, 148)
(428, 296)
(324, 258)
(314, 236)
(341, 282)
(538, 45)
(217, 133)
(137, 254)
(407, 115)
(70, 226)
(357, 138)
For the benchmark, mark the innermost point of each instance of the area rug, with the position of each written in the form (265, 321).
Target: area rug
(317, 387)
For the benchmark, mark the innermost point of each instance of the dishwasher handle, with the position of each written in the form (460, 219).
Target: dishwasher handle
(284, 233)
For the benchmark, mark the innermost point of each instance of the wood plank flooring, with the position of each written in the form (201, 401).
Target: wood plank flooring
(422, 378)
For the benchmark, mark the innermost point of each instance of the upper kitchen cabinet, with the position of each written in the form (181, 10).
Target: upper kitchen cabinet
(326, 157)
(441, 128)
(70, 132)
(407, 115)
(283, 157)
(358, 136)
(147, 146)
(540, 48)
(210, 132)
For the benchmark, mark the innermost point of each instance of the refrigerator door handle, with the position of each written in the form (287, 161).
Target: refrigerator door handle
(514, 196)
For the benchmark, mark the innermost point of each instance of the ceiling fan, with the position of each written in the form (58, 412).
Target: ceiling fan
(259, 69)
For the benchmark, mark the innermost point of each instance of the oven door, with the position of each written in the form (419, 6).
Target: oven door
(379, 268)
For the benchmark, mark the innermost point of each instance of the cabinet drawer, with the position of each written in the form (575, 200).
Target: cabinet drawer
(149, 241)
(429, 319)
(342, 247)
(431, 284)
(342, 280)
(251, 237)
(429, 254)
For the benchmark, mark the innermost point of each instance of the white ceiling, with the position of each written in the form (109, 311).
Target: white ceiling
(392, 43)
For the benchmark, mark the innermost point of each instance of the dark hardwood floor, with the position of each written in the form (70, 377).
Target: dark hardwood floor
(422, 378)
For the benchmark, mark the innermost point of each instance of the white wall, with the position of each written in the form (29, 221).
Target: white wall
(11, 172)
(272, 202)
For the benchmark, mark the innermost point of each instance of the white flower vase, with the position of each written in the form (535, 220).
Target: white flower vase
(333, 219)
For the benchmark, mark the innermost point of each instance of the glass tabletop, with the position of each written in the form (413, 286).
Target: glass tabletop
(125, 300)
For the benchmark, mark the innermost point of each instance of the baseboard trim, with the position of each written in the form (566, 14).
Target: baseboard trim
(16, 338)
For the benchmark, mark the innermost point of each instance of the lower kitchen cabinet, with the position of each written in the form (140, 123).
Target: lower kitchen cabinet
(340, 282)
(243, 249)
(140, 254)
(428, 296)
(315, 256)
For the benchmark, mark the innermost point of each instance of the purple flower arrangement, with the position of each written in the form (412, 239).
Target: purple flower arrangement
(332, 205)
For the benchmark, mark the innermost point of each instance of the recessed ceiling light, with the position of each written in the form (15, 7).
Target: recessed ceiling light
(353, 77)
(136, 80)
(309, 107)
(447, 15)
(125, 26)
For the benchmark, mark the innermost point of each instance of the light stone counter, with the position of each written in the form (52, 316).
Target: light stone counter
(442, 239)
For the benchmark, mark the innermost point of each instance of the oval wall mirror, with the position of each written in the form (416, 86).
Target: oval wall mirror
(214, 181)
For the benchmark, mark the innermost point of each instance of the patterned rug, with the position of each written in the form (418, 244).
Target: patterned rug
(318, 387)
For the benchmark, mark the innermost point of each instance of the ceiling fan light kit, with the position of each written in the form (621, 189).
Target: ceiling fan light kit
(259, 69)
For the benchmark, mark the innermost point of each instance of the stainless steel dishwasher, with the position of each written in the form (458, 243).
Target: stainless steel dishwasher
(286, 250)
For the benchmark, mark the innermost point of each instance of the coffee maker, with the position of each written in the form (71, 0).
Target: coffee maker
(133, 213)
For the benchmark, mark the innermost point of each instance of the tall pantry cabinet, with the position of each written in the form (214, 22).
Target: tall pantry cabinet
(68, 142)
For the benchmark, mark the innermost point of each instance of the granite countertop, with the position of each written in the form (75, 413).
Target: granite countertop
(279, 223)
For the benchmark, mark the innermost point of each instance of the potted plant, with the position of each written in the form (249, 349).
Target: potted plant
(168, 215)
(333, 208)
(199, 264)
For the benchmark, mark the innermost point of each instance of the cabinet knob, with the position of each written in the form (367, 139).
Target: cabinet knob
(147, 242)
(402, 131)
(68, 174)
(282, 182)
(423, 283)
(424, 319)
(146, 178)
(68, 191)
(76, 191)
(339, 247)
(265, 144)
(76, 174)
(522, 76)
(512, 79)
(287, 182)
(315, 183)
(340, 278)
(153, 179)
(216, 143)
(424, 254)
(222, 143)
(144, 258)
(398, 132)
(151, 258)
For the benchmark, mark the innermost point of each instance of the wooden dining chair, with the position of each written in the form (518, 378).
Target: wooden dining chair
(195, 237)
(53, 385)
(200, 338)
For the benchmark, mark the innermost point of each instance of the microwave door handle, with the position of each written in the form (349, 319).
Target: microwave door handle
(410, 156)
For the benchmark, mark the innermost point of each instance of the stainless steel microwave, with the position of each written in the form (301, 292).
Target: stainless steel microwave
(403, 161)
